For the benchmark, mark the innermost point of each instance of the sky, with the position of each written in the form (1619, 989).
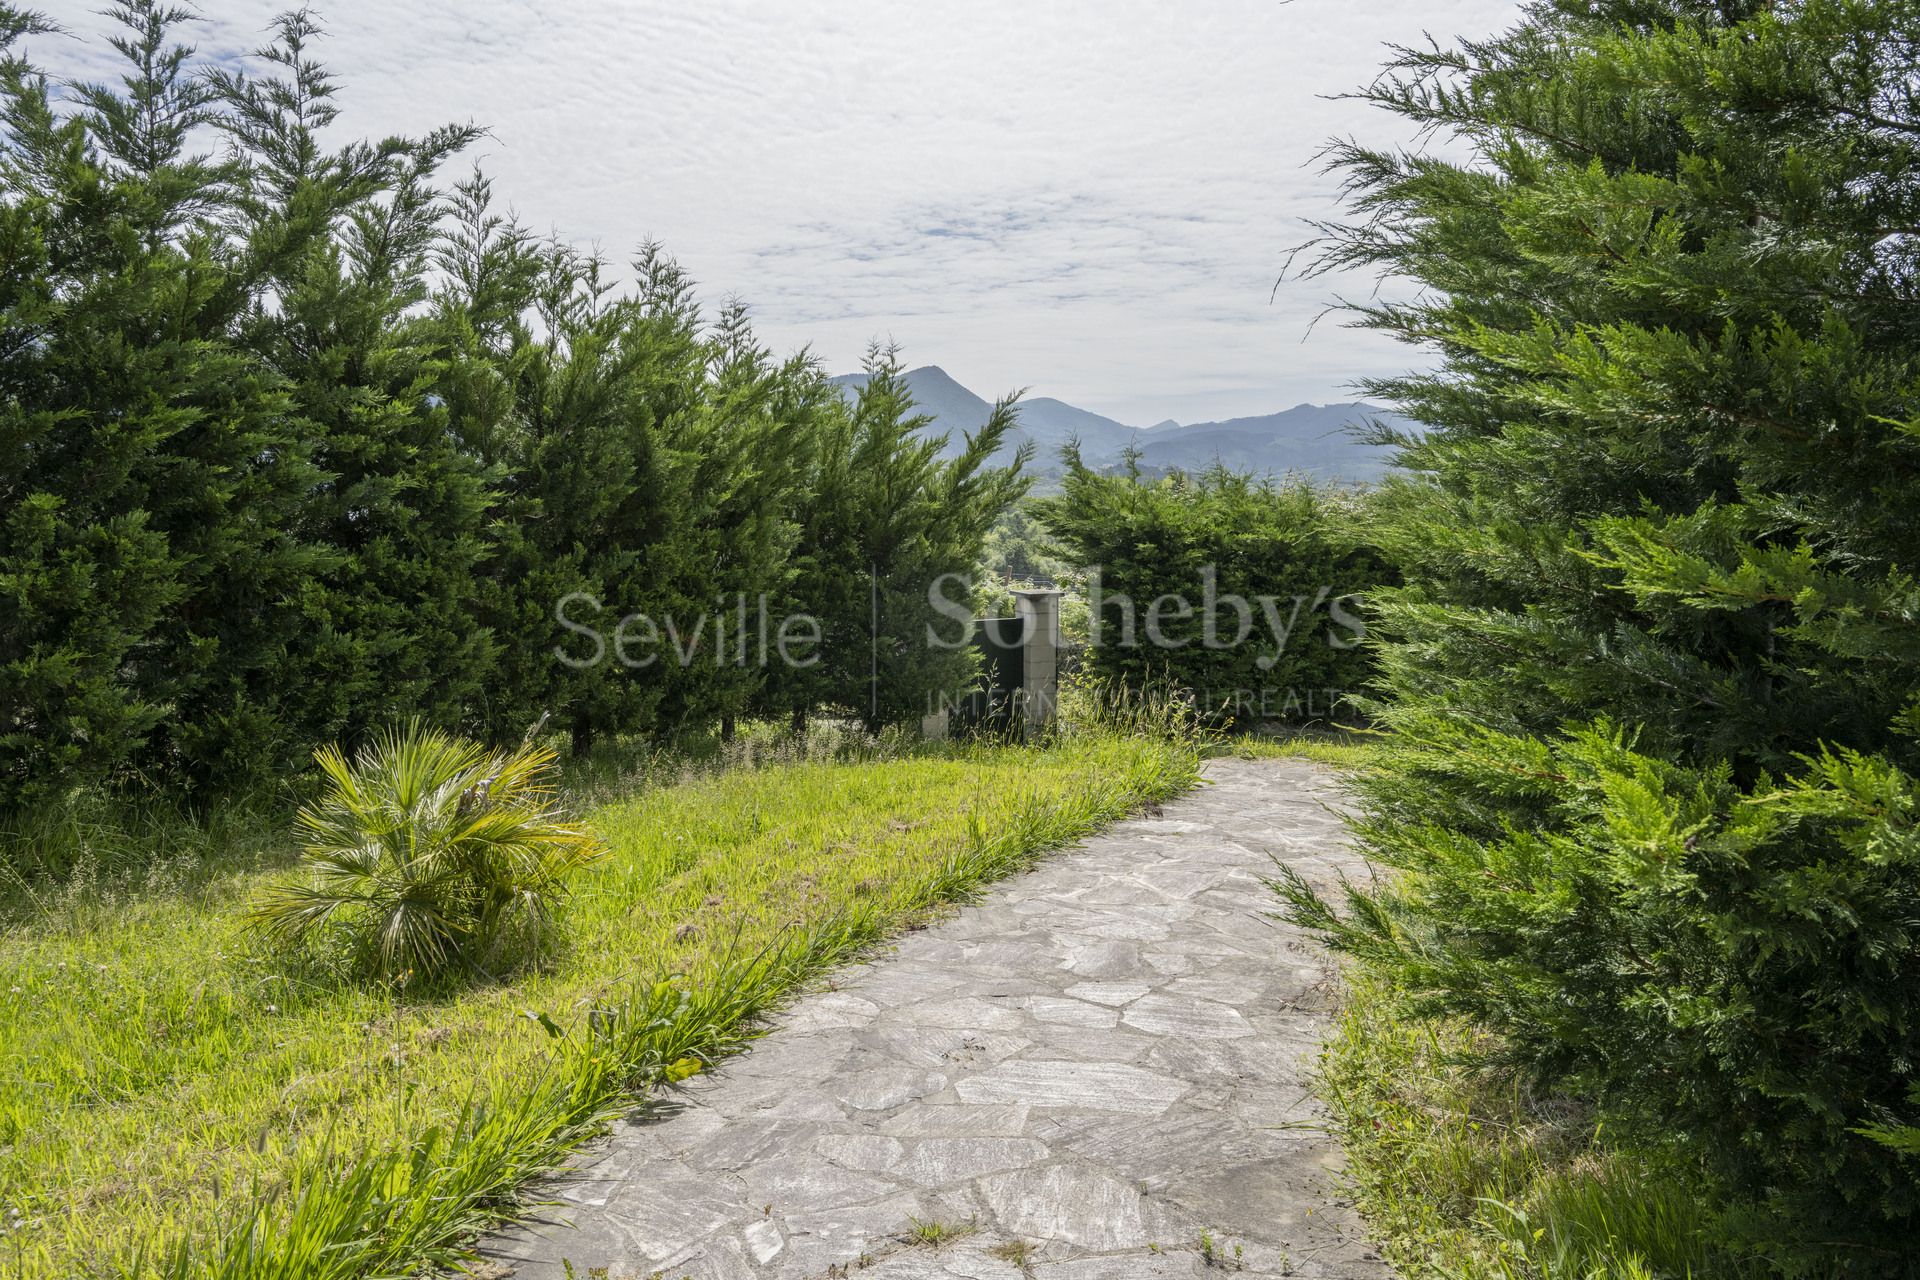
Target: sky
(1092, 199)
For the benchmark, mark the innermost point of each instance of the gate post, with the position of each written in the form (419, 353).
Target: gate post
(1039, 610)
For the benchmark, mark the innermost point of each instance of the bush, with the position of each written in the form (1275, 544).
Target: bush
(1461, 1171)
(427, 853)
(1727, 972)
(892, 516)
(1653, 668)
(1288, 551)
(305, 440)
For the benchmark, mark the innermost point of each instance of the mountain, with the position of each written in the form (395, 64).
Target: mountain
(1048, 423)
(1308, 438)
(1316, 439)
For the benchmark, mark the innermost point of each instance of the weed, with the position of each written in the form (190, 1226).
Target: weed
(1211, 1255)
(1461, 1171)
(933, 1233)
(1017, 1253)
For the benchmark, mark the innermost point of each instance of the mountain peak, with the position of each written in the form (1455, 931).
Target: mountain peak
(1308, 438)
(932, 375)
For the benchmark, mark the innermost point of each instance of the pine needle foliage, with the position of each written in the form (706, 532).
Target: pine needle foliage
(1267, 578)
(893, 525)
(303, 436)
(1653, 669)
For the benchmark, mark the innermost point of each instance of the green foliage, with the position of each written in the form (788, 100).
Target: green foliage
(300, 441)
(152, 470)
(1462, 1171)
(402, 508)
(888, 530)
(1652, 668)
(1656, 939)
(1018, 552)
(1267, 583)
(429, 853)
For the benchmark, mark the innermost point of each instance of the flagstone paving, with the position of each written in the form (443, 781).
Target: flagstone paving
(1102, 1064)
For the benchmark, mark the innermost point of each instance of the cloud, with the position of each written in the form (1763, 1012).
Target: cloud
(1093, 197)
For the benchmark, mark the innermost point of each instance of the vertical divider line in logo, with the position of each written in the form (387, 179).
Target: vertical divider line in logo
(873, 648)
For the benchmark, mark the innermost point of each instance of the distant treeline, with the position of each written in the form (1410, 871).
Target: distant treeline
(299, 438)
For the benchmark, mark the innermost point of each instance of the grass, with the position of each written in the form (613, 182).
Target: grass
(932, 1233)
(177, 1101)
(1342, 748)
(1463, 1173)
(1018, 1254)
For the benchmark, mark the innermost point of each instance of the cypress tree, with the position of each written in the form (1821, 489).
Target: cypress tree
(1653, 672)
(82, 584)
(571, 436)
(1269, 580)
(387, 628)
(750, 447)
(158, 470)
(886, 523)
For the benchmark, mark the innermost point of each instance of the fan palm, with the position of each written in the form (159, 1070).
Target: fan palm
(429, 851)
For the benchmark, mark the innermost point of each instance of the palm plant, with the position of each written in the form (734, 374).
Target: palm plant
(429, 852)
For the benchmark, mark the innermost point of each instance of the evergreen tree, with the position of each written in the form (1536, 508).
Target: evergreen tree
(573, 437)
(81, 584)
(1653, 671)
(386, 627)
(647, 478)
(156, 475)
(674, 583)
(886, 524)
(751, 445)
(299, 444)
(1267, 582)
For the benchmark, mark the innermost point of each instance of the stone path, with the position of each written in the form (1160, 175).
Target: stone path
(1095, 1074)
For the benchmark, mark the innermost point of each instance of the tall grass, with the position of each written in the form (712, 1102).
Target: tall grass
(1341, 747)
(1463, 1172)
(177, 1101)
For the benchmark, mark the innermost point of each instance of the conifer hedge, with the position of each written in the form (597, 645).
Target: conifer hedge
(1655, 669)
(301, 437)
(1246, 594)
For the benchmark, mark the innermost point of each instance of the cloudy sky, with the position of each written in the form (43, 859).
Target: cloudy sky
(1092, 198)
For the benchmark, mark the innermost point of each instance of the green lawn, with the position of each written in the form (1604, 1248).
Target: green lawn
(1340, 747)
(174, 1098)
(1461, 1170)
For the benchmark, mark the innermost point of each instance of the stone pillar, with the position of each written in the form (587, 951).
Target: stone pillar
(1040, 656)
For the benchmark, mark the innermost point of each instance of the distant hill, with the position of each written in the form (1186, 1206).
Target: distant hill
(1308, 438)
(1316, 439)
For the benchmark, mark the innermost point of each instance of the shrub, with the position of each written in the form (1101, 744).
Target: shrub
(306, 441)
(1288, 550)
(891, 516)
(428, 853)
(1727, 972)
(1653, 667)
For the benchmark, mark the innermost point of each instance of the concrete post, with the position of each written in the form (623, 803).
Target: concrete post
(1040, 656)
